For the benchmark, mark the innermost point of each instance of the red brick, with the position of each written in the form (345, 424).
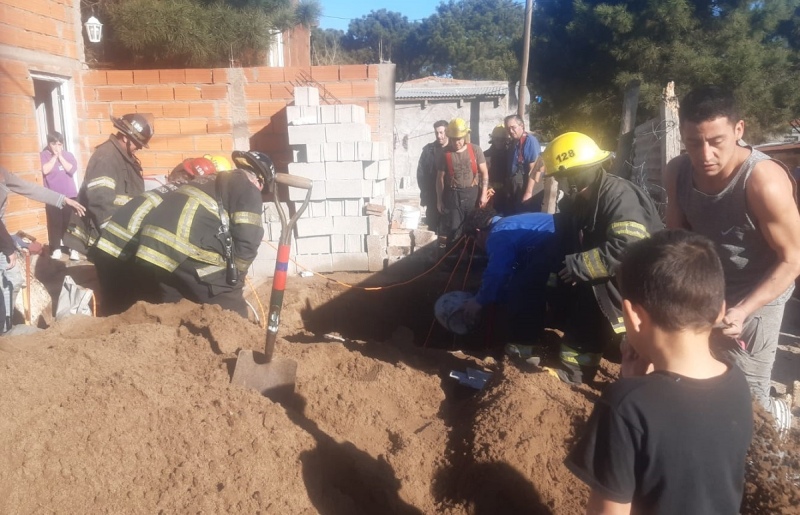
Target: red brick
(168, 160)
(270, 108)
(283, 90)
(148, 160)
(145, 77)
(91, 127)
(95, 111)
(364, 89)
(220, 75)
(160, 93)
(167, 126)
(207, 143)
(94, 78)
(353, 72)
(373, 106)
(176, 110)
(268, 74)
(18, 143)
(372, 71)
(16, 85)
(134, 93)
(16, 104)
(297, 73)
(216, 92)
(170, 76)
(119, 76)
(219, 127)
(341, 90)
(252, 109)
(257, 91)
(20, 162)
(202, 109)
(199, 77)
(156, 110)
(187, 93)
(194, 127)
(325, 73)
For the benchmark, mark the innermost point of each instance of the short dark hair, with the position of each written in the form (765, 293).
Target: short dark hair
(439, 123)
(677, 277)
(479, 219)
(707, 103)
(515, 117)
(55, 137)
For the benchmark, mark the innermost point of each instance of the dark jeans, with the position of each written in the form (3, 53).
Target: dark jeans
(184, 283)
(458, 204)
(57, 222)
(521, 318)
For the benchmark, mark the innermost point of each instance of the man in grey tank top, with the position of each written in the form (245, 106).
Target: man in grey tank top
(746, 203)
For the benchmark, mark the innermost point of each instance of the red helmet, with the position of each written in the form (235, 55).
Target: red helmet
(198, 166)
(135, 126)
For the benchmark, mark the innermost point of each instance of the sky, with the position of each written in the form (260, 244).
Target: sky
(336, 14)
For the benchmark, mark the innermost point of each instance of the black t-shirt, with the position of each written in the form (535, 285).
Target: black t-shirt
(669, 444)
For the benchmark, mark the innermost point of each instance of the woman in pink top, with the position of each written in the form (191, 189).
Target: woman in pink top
(58, 167)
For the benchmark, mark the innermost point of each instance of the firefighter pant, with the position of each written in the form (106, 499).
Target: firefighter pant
(184, 283)
(458, 203)
(122, 283)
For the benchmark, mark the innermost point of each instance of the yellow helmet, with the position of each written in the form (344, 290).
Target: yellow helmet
(499, 133)
(221, 163)
(457, 128)
(570, 151)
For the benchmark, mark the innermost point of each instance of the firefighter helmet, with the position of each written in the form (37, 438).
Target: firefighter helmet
(256, 162)
(499, 134)
(198, 166)
(135, 126)
(457, 128)
(221, 163)
(571, 152)
(449, 311)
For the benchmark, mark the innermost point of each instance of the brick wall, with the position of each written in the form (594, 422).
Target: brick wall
(41, 25)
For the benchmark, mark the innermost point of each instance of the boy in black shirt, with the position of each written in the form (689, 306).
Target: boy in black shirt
(675, 440)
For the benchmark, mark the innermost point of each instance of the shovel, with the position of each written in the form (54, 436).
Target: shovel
(274, 378)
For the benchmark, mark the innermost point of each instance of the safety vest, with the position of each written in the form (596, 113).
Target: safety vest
(448, 157)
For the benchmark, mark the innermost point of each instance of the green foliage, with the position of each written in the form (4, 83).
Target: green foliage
(326, 48)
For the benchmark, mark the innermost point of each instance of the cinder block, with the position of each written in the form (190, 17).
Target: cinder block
(371, 170)
(400, 240)
(270, 212)
(384, 169)
(398, 252)
(343, 189)
(327, 113)
(314, 153)
(341, 170)
(341, 132)
(318, 262)
(378, 225)
(421, 237)
(347, 152)
(353, 207)
(364, 151)
(314, 227)
(313, 171)
(350, 225)
(350, 262)
(358, 114)
(314, 245)
(275, 229)
(299, 153)
(318, 209)
(354, 243)
(306, 134)
(336, 207)
(380, 150)
(376, 253)
(302, 115)
(338, 243)
(317, 192)
(330, 151)
(306, 96)
(378, 188)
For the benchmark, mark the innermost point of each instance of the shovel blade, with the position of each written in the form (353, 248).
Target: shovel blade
(274, 379)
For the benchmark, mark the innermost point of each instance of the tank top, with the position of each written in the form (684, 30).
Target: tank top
(725, 219)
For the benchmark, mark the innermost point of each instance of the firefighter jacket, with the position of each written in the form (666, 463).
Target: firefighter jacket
(594, 233)
(112, 178)
(120, 237)
(187, 225)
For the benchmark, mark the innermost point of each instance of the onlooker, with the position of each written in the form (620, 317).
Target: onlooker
(525, 168)
(600, 215)
(675, 440)
(746, 204)
(497, 163)
(58, 167)
(426, 175)
(462, 180)
(113, 177)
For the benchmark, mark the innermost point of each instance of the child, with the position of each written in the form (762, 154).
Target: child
(673, 441)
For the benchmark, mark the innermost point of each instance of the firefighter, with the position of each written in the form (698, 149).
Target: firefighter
(599, 217)
(202, 239)
(112, 254)
(113, 177)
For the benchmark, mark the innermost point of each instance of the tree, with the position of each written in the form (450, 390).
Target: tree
(327, 49)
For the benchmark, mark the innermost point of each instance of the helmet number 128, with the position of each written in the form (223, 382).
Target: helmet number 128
(564, 156)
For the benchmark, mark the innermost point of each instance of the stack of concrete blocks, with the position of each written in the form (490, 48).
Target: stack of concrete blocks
(264, 264)
(332, 146)
(409, 242)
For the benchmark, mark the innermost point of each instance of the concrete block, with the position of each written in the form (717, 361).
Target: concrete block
(336, 207)
(314, 227)
(306, 134)
(313, 171)
(353, 207)
(299, 153)
(421, 237)
(348, 113)
(378, 226)
(338, 243)
(343, 189)
(317, 192)
(306, 96)
(341, 132)
(358, 114)
(400, 240)
(364, 151)
(380, 150)
(302, 115)
(398, 251)
(313, 245)
(270, 212)
(354, 243)
(275, 229)
(313, 153)
(317, 262)
(376, 252)
(350, 225)
(379, 188)
(327, 113)
(384, 169)
(350, 262)
(347, 151)
(371, 170)
(338, 170)
(330, 151)
(318, 208)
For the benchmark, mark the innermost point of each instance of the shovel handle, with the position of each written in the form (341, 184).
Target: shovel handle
(293, 181)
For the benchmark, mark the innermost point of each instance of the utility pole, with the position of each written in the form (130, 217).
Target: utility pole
(526, 50)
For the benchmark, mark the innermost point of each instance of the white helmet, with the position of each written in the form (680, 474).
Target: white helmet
(449, 311)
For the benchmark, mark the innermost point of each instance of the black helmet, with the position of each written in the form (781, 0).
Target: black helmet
(135, 126)
(257, 162)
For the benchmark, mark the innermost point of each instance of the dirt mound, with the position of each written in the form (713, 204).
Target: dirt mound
(135, 413)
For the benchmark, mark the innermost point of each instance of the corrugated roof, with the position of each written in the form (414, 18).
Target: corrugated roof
(433, 88)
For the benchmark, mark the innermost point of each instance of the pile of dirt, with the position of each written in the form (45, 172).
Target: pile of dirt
(136, 413)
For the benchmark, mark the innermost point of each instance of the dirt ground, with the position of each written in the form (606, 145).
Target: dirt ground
(135, 413)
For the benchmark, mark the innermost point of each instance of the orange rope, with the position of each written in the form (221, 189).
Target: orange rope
(447, 286)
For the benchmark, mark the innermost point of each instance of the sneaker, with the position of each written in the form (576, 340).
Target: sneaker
(74, 256)
(56, 254)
